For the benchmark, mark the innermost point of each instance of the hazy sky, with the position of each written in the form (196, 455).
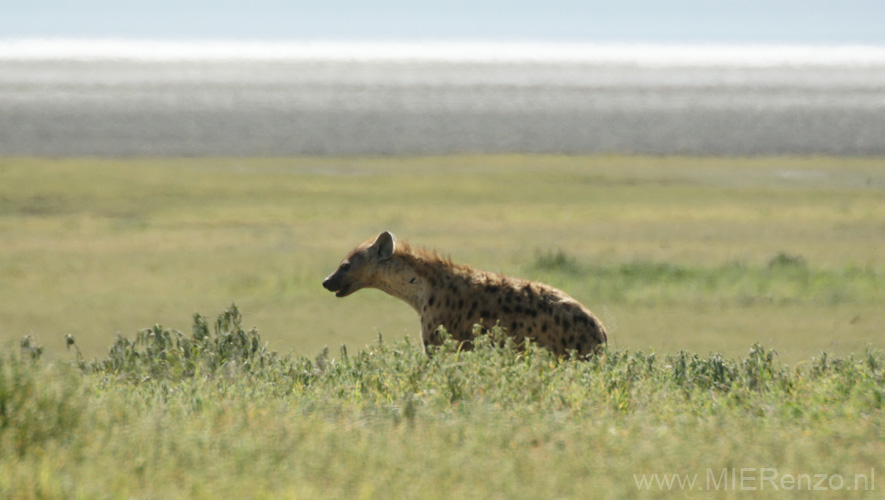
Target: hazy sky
(781, 21)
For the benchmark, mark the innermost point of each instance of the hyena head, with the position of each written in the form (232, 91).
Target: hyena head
(359, 268)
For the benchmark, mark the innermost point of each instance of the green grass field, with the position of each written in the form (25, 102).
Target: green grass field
(707, 255)
(690, 262)
(214, 414)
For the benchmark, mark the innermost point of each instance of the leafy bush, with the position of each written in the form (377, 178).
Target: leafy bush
(495, 371)
(160, 353)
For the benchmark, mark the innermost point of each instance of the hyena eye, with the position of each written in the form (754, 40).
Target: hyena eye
(345, 267)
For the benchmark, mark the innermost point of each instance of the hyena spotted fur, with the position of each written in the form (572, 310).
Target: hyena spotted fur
(458, 297)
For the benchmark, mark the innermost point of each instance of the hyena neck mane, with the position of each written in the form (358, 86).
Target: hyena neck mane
(434, 268)
(412, 273)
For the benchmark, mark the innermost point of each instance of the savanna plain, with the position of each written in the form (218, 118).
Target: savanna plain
(743, 299)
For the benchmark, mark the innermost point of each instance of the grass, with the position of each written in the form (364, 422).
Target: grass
(214, 413)
(694, 264)
(672, 253)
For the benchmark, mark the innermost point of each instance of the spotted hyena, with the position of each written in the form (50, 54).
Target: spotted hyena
(458, 297)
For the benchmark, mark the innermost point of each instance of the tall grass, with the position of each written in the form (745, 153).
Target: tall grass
(214, 412)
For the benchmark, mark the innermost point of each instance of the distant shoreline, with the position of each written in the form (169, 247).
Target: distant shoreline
(104, 106)
(641, 54)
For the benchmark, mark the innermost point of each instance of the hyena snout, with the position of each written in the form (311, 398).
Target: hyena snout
(335, 282)
(332, 282)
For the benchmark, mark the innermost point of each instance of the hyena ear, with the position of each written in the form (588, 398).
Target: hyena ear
(384, 245)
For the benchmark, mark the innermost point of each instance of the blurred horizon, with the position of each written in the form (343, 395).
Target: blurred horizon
(468, 51)
(852, 22)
